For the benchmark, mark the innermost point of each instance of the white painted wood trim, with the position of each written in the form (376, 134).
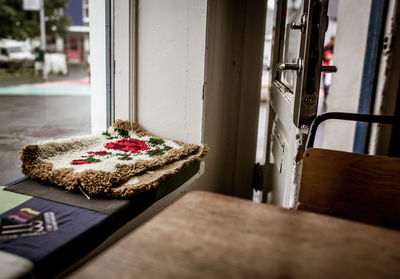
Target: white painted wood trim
(123, 53)
(170, 67)
(385, 102)
(97, 37)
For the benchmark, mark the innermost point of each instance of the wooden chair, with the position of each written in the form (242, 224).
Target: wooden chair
(354, 186)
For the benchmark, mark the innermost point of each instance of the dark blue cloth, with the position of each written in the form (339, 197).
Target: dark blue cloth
(74, 233)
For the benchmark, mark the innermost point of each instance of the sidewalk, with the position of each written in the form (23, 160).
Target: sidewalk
(77, 87)
(75, 71)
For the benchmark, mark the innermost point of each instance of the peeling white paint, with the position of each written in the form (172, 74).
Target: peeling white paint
(296, 178)
(301, 138)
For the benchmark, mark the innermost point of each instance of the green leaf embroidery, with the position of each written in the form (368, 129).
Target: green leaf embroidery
(155, 152)
(122, 154)
(108, 135)
(123, 133)
(90, 158)
(125, 158)
(154, 141)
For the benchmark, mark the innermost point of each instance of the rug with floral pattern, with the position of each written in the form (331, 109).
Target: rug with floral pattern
(123, 161)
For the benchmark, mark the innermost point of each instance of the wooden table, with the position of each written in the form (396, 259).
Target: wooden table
(206, 235)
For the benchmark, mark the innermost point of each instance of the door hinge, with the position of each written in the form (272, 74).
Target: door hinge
(258, 177)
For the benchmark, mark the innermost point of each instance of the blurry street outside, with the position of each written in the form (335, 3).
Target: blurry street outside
(32, 111)
(44, 76)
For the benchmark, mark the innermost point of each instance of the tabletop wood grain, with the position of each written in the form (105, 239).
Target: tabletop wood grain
(207, 235)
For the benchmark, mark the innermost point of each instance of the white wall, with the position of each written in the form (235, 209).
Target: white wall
(98, 65)
(171, 55)
(351, 37)
(234, 53)
(122, 57)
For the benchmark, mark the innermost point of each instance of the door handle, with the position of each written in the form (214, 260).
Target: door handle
(300, 26)
(291, 66)
(328, 69)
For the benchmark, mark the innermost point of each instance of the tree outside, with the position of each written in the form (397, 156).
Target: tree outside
(20, 25)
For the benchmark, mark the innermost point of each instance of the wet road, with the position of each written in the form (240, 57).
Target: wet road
(33, 112)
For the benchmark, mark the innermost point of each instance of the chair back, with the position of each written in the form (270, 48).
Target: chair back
(354, 186)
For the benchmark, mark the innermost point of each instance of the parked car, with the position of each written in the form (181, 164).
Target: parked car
(14, 54)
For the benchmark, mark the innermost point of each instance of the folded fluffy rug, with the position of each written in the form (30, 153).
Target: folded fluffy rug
(121, 162)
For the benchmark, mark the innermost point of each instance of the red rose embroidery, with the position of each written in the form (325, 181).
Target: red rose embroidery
(128, 145)
(99, 153)
(82, 162)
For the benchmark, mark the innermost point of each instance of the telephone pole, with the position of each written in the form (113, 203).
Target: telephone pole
(43, 37)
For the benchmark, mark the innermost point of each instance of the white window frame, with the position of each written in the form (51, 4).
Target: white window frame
(189, 85)
(123, 55)
(118, 97)
(112, 98)
(168, 73)
(98, 65)
(85, 10)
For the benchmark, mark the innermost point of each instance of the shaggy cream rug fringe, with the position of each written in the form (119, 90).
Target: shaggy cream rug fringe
(123, 161)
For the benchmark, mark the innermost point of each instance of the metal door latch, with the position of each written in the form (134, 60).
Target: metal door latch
(300, 26)
(292, 66)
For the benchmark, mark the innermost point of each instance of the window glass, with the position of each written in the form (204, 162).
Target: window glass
(74, 44)
(85, 10)
(44, 93)
(292, 41)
